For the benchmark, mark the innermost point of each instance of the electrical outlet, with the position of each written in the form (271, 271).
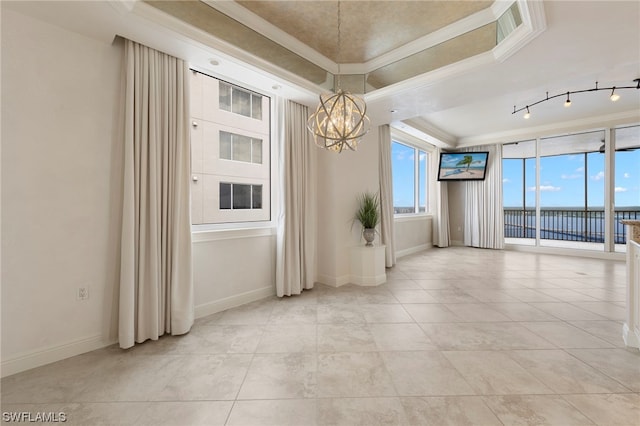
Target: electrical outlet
(83, 293)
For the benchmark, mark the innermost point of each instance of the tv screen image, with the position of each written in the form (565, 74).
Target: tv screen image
(462, 165)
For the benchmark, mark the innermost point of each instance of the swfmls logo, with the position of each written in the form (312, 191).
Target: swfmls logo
(27, 417)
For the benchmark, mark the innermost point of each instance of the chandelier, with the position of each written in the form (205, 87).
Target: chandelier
(340, 120)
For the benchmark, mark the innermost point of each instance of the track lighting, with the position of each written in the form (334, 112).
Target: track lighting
(614, 96)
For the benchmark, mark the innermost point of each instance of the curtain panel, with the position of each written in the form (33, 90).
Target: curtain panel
(441, 233)
(156, 289)
(386, 195)
(483, 215)
(295, 253)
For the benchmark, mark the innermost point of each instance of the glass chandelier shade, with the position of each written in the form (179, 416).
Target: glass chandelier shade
(339, 122)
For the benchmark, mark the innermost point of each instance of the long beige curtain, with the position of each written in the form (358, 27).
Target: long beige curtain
(156, 289)
(441, 234)
(483, 218)
(295, 254)
(386, 194)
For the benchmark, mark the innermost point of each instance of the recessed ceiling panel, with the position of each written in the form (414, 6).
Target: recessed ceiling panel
(368, 28)
(465, 46)
(210, 20)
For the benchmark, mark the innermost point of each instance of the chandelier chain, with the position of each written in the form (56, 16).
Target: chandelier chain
(338, 56)
(340, 120)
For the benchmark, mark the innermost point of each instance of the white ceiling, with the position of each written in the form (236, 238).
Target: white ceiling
(584, 42)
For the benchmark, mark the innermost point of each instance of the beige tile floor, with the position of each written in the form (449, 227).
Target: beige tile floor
(456, 336)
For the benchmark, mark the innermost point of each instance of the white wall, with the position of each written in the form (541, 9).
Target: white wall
(341, 177)
(232, 267)
(61, 202)
(456, 212)
(61, 190)
(412, 234)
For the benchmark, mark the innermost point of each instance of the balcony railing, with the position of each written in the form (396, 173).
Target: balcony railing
(567, 224)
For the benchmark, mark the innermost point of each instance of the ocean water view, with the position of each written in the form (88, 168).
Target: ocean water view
(567, 223)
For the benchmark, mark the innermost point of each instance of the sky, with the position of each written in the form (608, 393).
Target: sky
(403, 166)
(562, 180)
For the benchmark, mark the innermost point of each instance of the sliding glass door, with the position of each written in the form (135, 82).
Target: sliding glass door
(579, 192)
(627, 181)
(518, 189)
(571, 191)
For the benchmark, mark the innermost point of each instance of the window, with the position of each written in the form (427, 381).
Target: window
(230, 153)
(240, 101)
(238, 196)
(240, 148)
(574, 183)
(518, 188)
(571, 189)
(627, 182)
(410, 182)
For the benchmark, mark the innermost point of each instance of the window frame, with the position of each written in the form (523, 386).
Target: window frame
(208, 231)
(418, 146)
(610, 170)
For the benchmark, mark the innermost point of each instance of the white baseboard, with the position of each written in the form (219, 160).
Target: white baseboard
(334, 281)
(51, 354)
(372, 280)
(412, 250)
(55, 353)
(233, 301)
(592, 254)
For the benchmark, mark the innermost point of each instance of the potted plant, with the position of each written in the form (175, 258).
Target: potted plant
(368, 214)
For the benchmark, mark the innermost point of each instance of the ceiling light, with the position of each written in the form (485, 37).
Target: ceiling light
(340, 120)
(614, 96)
(214, 62)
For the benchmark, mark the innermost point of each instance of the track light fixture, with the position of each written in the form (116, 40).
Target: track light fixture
(614, 96)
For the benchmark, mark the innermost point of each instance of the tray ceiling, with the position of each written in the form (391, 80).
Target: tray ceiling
(368, 28)
(382, 42)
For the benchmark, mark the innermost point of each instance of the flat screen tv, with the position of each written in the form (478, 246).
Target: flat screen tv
(462, 165)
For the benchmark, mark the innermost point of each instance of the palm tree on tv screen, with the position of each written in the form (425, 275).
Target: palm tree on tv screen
(467, 160)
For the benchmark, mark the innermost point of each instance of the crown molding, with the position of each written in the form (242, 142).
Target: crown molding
(532, 18)
(429, 78)
(597, 122)
(453, 30)
(213, 45)
(424, 130)
(534, 23)
(244, 16)
(501, 6)
(449, 32)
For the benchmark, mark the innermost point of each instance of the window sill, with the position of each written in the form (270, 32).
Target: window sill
(206, 235)
(412, 217)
